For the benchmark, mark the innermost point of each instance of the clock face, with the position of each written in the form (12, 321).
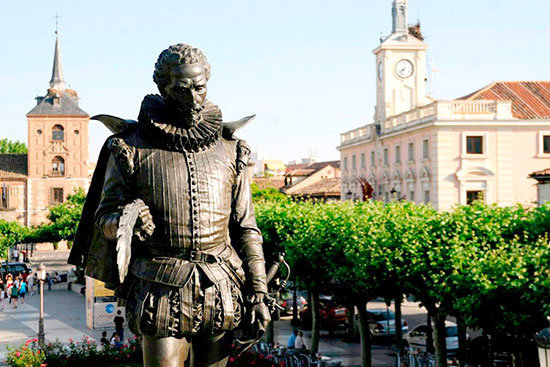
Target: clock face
(404, 68)
(380, 71)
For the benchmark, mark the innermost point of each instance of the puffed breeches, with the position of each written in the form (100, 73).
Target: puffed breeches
(198, 307)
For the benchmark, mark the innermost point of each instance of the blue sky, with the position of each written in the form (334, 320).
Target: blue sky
(304, 67)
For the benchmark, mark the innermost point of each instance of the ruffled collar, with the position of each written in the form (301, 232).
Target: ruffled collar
(156, 129)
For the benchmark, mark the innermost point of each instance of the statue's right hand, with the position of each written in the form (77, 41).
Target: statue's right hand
(144, 226)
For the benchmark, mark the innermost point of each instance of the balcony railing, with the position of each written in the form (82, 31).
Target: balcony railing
(451, 110)
(454, 110)
(362, 133)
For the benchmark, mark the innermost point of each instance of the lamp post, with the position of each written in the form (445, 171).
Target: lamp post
(41, 274)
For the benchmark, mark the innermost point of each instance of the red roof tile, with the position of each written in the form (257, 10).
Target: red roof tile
(530, 100)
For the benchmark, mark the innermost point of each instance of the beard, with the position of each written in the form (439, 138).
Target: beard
(185, 116)
(191, 116)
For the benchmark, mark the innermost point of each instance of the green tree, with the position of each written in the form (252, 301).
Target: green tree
(9, 146)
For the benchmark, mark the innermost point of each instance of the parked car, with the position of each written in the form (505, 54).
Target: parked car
(13, 268)
(333, 316)
(416, 338)
(288, 303)
(382, 322)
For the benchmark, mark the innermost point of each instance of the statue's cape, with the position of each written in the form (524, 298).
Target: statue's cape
(91, 250)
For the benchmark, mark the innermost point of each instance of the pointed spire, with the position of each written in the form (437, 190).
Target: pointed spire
(399, 16)
(57, 81)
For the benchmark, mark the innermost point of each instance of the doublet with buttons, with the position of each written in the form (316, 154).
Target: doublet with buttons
(186, 278)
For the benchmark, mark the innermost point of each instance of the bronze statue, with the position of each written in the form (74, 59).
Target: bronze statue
(175, 232)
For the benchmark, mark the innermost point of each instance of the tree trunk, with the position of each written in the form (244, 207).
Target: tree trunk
(364, 332)
(315, 322)
(440, 335)
(429, 334)
(462, 347)
(398, 325)
(295, 305)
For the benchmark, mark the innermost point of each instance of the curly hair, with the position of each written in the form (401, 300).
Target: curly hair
(177, 55)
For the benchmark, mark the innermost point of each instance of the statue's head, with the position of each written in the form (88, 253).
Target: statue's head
(181, 73)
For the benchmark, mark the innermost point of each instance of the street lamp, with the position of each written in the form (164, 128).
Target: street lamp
(41, 275)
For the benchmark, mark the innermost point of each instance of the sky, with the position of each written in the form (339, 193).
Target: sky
(304, 67)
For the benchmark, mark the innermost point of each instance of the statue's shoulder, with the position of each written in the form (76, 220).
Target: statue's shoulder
(242, 149)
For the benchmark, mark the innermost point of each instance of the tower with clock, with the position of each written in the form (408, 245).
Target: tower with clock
(400, 67)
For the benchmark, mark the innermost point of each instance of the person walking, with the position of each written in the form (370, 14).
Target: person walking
(22, 290)
(9, 285)
(14, 294)
(49, 281)
(119, 325)
(2, 297)
(30, 282)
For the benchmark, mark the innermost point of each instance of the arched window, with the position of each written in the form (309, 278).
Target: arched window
(58, 166)
(58, 133)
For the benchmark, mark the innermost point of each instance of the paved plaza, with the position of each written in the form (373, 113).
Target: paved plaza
(65, 318)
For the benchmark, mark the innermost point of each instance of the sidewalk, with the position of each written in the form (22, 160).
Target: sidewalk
(64, 319)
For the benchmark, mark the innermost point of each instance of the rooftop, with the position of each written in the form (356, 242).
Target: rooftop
(324, 187)
(530, 99)
(13, 165)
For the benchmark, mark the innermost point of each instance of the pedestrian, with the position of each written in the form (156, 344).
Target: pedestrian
(119, 325)
(49, 281)
(300, 343)
(2, 297)
(291, 344)
(115, 341)
(14, 295)
(57, 278)
(22, 290)
(30, 282)
(9, 285)
(104, 340)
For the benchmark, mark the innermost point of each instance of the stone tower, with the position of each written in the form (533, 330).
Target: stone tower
(57, 145)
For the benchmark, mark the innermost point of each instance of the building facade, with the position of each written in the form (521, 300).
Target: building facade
(444, 152)
(57, 159)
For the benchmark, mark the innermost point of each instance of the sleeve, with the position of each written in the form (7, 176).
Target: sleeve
(246, 233)
(108, 212)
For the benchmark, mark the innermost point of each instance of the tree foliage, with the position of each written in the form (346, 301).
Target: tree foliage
(484, 264)
(9, 146)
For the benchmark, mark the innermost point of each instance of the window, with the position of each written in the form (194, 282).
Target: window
(4, 197)
(411, 196)
(546, 144)
(58, 133)
(425, 149)
(58, 166)
(473, 195)
(57, 195)
(398, 154)
(426, 196)
(363, 161)
(353, 166)
(411, 152)
(372, 159)
(474, 144)
(345, 163)
(385, 156)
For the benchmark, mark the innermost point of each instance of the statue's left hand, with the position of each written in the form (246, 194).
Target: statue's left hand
(260, 319)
